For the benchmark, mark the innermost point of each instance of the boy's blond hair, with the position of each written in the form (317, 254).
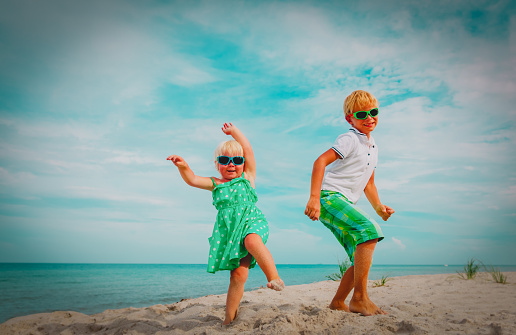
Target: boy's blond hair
(359, 99)
(231, 148)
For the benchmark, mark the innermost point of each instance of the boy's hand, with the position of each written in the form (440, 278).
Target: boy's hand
(384, 211)
(227, 128)
(177, 160)
(313, 208)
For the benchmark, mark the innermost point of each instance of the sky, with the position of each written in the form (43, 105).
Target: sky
(94, 95)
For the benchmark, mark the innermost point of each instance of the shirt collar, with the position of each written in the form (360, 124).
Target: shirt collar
(363, 136)
(356, 131)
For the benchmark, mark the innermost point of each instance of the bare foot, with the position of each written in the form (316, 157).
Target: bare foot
(365, 307)
(339, 306)
(276, 284)
(229, 319)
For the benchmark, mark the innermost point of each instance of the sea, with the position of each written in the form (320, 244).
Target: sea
(93, 288)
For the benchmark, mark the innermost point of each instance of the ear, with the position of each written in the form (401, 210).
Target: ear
(348, 118)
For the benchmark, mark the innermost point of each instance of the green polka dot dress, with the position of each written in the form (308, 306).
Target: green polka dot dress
(237, 217)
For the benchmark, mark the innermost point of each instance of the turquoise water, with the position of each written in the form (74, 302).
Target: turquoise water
(92, 288)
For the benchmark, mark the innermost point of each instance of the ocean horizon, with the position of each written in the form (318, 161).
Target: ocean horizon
(90, 288)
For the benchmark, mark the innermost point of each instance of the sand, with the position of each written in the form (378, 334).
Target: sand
(427, 304)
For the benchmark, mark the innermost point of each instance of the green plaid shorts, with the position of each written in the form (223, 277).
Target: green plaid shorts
(350, 225)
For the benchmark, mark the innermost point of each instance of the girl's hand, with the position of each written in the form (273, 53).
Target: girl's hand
(188, 176)
(227, 128)
(313, 208)
(384, 211)
(177, 160)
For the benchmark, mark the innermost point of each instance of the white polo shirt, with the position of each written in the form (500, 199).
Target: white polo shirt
(350, 174)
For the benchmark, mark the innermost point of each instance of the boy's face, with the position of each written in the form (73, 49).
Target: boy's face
(365, 126)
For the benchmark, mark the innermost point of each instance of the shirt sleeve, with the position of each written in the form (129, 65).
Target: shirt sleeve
(344, 145)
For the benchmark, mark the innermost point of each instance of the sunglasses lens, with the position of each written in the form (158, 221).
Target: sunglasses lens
(224, 160)
(238, 160)
(373, 112)
(361, 115)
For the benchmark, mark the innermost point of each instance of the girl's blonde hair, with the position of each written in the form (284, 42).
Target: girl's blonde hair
(359, 99)
(231, 148)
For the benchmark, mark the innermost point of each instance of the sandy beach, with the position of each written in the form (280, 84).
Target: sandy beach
(426, 304)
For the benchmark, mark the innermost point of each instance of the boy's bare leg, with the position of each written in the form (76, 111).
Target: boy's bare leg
(360, 302)
(236, 289)
(254, 244)
(347, 282)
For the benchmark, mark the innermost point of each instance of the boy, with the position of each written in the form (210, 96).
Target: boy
(333, 196)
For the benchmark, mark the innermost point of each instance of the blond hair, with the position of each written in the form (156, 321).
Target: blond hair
(231, 148)
(358, 99)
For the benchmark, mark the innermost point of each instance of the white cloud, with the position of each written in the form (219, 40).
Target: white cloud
(112, 195)
(127, 157)
(187, 75)
(13, 178)
(294, 246)
(102, 120)
(399, 243)
(43, 129)
(510, 191)
(6, 122)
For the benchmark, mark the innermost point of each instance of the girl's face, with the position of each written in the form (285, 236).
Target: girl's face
(230, 171)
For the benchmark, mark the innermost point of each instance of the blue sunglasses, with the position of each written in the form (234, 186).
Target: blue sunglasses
(225, 160)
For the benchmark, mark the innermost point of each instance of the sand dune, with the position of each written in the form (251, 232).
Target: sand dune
(429, 304)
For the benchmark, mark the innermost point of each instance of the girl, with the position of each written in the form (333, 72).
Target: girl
(241, 230)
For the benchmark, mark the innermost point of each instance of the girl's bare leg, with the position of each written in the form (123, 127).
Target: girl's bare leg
(254, 244)
(236, 289)
(360, 302)
(347, 282)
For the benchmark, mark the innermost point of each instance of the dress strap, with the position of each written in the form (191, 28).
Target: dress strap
(213, 181)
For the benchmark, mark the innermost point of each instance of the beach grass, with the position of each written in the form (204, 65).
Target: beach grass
(473, 266)
(382, 281)
(471, 269)
(343, 266)
(496, 274)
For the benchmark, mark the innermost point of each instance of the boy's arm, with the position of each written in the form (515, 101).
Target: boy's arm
(313, 207)
(372, 195)
(188, 176)
(250, 163)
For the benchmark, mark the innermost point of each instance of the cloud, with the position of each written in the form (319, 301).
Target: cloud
(187, 75)
(110, 195)
(510, 191)
(101, 59)
(398, 243)
(44, 129)
(127, 157)
(95, 95)
(10, 179)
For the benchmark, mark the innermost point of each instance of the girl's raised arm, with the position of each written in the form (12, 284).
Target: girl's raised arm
(188, 176)
(250, 163)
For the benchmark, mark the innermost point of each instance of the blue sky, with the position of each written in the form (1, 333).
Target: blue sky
(94, 95)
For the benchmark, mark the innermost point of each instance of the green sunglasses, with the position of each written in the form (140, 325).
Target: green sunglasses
(362, 115)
